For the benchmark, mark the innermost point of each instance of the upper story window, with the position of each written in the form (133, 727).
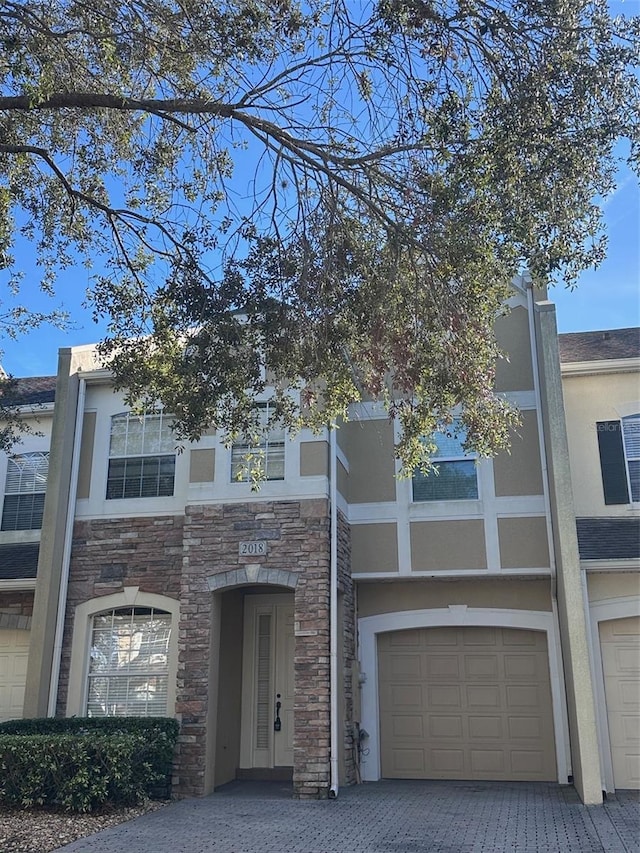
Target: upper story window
(454, 476)
(129, 663)
(142, 457)
(619, 446)
(265, 457)
(24, 491)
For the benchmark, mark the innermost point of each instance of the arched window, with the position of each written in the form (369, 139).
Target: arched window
(25, 489)
(129, 663)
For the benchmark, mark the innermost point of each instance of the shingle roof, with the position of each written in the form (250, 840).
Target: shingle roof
(600, 346)
(19, 561)
(32, 390)
(608, 538)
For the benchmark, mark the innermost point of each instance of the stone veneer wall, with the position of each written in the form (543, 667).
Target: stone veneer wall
(19, 603)
(346, 589)
(108, 555)
(297, 533)
(180, 558)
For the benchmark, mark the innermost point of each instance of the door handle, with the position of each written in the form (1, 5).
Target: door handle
(277, 724)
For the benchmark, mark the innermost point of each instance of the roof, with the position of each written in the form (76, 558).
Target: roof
(608, 538)
(19, 561)
(32, 390)
(600, 346)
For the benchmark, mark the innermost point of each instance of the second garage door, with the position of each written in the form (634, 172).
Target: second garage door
(620, 644)
(14, 653)
(466, 703)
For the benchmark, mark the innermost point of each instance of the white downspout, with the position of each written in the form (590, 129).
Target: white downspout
(333, 613)
(66, 552)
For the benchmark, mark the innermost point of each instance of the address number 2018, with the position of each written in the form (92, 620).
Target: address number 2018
(252, 549)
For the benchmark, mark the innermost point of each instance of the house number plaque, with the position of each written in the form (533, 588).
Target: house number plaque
(256, 548)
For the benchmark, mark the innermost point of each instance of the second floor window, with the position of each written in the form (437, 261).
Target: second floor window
(142, 457)
(454, 476)
(265, 457)
(24, 491)
(619, 447)
(631, 438)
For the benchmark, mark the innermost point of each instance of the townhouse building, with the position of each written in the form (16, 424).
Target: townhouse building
(342, 624)
(601, 381)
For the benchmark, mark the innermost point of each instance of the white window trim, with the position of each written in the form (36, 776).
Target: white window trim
(142, 455)
(437, 460)
(457, 615)
(129, 597)
(627, 458)
(6, 493)
(261, 448)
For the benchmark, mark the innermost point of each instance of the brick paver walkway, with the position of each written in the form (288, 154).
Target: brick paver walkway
(382, 817)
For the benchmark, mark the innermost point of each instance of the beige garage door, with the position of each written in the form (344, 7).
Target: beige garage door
(620, 645)
(14, 652)
(466, 703)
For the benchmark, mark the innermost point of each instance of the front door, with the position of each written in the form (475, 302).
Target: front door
(268, 682)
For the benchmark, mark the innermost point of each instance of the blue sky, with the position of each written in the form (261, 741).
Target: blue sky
(606, 298)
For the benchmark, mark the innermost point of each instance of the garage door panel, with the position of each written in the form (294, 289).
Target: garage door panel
(14, 655)
(620, 651)
(495, 722)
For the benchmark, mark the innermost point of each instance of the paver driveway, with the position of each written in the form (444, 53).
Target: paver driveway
(381, 817)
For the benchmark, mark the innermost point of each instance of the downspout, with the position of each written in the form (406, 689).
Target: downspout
(66, 552)
(540, 423)
(333, 613)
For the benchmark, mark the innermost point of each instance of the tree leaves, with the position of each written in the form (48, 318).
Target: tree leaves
(344, 191)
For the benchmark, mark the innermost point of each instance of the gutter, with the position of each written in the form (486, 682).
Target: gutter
(66, 553)
(333, 614)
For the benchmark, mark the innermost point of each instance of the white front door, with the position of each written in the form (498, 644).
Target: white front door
(268, 682)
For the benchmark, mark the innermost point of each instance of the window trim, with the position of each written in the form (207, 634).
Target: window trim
(438, 460)
(614, 462)
(43, 454)
(137, 457)
(126, 673)
(635, 417)
(262, 448)
(130, 596)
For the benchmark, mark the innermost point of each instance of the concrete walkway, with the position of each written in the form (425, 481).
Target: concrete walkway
(381, 817)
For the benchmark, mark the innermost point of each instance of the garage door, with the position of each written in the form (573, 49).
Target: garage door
(620, 647)
(14, 652)
(466, 703)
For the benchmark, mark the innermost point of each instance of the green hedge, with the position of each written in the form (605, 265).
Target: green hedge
(81, 762)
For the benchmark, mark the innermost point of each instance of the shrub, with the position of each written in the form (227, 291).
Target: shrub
(146, 770)
(74, 772)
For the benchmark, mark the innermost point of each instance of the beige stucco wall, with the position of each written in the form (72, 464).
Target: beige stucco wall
(519, 472)
(202, 466)
(371, 461)
(374, 548)
(523, 543)
(444, 545)
(86, 455)
(314, 458)
(605, 585)
(589, 399)
(375, 598)
(512, 333)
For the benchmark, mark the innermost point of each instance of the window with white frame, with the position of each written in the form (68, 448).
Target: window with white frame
(631, 440)
(619, 448)
(25, 489)
(142, 457)
(454, 473)
(265, 457)
(129, 663)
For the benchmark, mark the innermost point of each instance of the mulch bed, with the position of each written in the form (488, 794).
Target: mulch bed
(40, 830)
